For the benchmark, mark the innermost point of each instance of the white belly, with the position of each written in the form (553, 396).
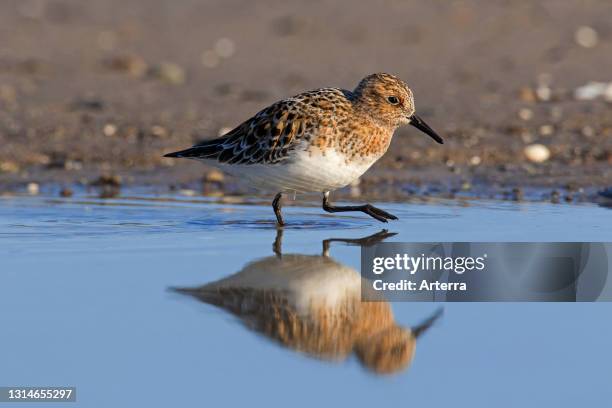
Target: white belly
(303, 173)
(303, 280)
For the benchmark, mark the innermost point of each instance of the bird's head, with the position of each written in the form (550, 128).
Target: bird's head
(389, 100)
(388, 351)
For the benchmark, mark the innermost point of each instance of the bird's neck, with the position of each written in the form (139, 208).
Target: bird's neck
(369, 119)
(367, 111)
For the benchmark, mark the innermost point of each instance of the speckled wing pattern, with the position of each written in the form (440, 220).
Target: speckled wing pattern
(270, 135)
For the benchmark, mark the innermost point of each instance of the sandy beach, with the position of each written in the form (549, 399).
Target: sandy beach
(104, 88)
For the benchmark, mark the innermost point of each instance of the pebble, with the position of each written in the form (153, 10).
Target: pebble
(588, 131)
(187, 192)
(73, 165)
(546, 130)
(109, 129)
(586, 37)
(475, 160)
(525, 114)
(9, 167)
(232, 199)
(527, 95)
(543, 93)
(225, 47)
(159, 131)
(66, 192)
(214, 176)
(169, 72)
(39, 158)
(33, 188)
(130, 64)
(592, 90)
(537, 153)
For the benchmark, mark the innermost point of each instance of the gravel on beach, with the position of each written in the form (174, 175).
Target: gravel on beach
(521, 91)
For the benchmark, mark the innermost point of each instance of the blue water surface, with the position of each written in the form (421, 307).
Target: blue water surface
(85, 301)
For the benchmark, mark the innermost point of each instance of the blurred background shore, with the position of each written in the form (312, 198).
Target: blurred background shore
(96, 91)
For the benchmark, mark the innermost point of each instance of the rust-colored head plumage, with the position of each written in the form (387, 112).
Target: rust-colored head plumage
(386, 98)
(387, 351)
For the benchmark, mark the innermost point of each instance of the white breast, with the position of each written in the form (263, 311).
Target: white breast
(304, 172)
(303, 280)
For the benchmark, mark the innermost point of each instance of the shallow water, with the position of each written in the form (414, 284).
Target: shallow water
(85, 300)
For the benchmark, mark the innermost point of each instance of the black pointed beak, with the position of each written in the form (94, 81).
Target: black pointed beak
(420, 124)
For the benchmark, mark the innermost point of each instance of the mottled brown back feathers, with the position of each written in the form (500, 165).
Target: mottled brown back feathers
(356, 124)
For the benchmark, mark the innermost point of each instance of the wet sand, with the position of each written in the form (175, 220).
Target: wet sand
(106, 87)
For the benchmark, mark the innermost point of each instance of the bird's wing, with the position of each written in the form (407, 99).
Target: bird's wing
(266, 138)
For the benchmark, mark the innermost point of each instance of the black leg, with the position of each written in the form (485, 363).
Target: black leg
(276, 204)
(362, 242)
(369, 209)
(277, 246)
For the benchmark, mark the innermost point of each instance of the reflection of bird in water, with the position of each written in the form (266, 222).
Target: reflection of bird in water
(312, 304)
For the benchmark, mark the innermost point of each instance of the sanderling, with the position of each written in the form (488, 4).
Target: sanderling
(312, 304)
(317, 141)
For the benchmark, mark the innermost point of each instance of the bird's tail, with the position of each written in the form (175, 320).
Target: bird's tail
(205, 150)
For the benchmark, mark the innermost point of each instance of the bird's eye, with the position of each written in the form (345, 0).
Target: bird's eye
(393, 100)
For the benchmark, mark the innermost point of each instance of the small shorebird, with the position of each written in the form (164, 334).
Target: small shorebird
(312, 304)
(317, 141)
